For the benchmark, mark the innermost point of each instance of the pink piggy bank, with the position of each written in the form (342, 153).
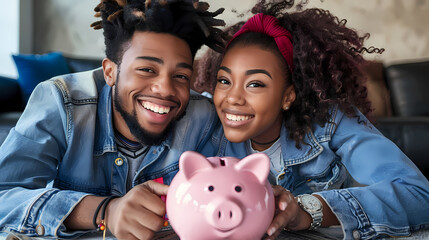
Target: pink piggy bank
(221, 197)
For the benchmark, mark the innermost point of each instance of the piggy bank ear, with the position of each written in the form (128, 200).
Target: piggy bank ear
(191, 162)
(257, 163)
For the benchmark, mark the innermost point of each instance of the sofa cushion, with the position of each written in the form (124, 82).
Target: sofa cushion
(410, 134)
(8, 88)
(408, 83)
(33, 69)
(76, 64)
(10, 96)
(378, 94)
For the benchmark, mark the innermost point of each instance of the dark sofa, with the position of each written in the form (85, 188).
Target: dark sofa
(11, 101)
(399, 93)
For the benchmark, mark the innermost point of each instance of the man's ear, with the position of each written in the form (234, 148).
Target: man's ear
(289, 97)
(109, 69)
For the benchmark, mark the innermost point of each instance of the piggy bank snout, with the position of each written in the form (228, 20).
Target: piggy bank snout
(224, 215)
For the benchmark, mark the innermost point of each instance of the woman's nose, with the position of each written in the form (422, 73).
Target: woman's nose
(236, 96)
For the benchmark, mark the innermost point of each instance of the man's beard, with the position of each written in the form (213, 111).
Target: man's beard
(142, 135)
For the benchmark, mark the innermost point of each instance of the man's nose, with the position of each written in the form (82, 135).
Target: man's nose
(164, 86)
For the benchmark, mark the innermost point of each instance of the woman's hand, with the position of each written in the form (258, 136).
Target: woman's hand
(288, 215)
(138, 214)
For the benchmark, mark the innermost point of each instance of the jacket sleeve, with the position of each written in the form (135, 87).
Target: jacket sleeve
(392, 195)
(28, 165)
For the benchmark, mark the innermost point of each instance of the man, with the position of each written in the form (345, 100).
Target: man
(107, 132)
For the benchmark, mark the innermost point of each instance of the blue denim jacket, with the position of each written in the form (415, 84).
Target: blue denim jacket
(370, 185)
(63, 149)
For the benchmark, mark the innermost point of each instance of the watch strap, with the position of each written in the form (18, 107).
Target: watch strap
(316, 216)
(317, 220)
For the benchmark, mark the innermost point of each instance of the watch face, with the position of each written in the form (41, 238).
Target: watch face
(311, 203)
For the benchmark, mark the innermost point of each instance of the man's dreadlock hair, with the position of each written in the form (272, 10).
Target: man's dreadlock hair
(186, 19)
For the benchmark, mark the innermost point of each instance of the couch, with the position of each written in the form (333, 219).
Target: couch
(397, 92)
(12, 102)
(399, 96)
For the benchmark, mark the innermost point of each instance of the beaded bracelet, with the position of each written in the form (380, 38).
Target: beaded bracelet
(103, 204)
(102, 225)
(94, 218)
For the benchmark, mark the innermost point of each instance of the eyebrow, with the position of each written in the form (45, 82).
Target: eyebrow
(160, 61)
(225, 69)
(255, 71)
(185, 65)
(248, 72)
(153, 59)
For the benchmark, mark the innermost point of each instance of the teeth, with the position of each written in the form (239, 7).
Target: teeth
(233, 117)
(156, 108)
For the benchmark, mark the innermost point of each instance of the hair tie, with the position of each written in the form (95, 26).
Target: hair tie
(270, 26)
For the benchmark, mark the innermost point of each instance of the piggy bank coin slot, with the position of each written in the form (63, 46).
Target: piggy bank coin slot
(222, 162)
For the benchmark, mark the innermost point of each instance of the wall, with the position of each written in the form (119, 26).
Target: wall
(16, 18)
(9, 24)
(399, 26)
(63, 25)
(396, 25)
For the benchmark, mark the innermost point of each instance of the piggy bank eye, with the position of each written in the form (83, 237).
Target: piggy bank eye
(210, 188)
(237, 189)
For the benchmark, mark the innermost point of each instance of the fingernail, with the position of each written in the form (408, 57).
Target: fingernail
(271, 231)
(283, 206)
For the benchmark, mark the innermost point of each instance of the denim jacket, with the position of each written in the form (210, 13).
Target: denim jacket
(63, 149)
(370, 185)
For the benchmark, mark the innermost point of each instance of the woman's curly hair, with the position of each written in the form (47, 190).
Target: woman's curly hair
(327, 58)
(186, 19)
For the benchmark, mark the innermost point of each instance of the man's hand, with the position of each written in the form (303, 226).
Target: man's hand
(288, 214)
(138, 214)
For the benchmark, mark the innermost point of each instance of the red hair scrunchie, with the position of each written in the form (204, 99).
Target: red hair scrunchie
(270, 26)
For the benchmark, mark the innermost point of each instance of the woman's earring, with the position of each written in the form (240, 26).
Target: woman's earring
(285, 108)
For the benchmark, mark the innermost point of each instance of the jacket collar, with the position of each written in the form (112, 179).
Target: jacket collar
(292, 155)
(104, 132)
(312, 147)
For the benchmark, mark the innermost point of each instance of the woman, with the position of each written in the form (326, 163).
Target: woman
(289, 85)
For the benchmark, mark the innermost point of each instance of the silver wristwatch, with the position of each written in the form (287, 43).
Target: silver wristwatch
(312, 206)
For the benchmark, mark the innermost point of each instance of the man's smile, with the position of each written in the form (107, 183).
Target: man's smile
(155, 107)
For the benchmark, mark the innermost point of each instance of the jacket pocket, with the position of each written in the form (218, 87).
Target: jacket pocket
(321, 175)
(167, 174)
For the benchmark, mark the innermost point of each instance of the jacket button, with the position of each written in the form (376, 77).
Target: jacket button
(356, 234)
(40, 230)
(119, 161)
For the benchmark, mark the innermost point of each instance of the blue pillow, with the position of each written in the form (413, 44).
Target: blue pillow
(33, 69)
